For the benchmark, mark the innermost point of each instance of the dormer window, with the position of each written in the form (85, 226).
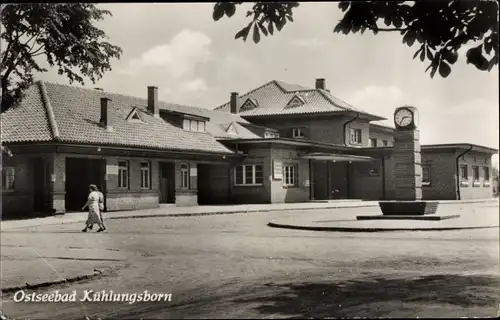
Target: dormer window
(194, 125)
(232, 129)
(298, 133)
(134, 116)
(296, 101)
(249, 105)
(270, 134)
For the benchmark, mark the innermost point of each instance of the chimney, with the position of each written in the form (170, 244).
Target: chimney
(106, 115)
(320, 84)
(153, 101)
(235, 102)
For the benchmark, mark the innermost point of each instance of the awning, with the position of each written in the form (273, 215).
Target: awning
(336, 157)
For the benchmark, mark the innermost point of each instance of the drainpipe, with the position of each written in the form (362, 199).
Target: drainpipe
(384, 196)
(345, 127)
(311, 173)
(458, 170)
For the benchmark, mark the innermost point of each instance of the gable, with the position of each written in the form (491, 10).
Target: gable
(295, 101)
(232, 129)
(249, 104)
(134, 115)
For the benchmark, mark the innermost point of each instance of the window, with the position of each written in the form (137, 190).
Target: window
(475, 176)
(122, 174)
(248, 175)
(201, 126)
(184, 176)
(475, 173)
(289, 175)
(463, 172)
(426, 175)
(486, 172)
(356, 136)
(194, 125)
(297, 133)
(269, 134)
(145, 175)
(384, 143)
(373, 142)
(464, 176)
(8, 178)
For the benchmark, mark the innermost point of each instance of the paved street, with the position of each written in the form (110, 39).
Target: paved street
(235, 266)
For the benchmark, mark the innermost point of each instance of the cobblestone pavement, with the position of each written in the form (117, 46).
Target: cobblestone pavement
(234, 266)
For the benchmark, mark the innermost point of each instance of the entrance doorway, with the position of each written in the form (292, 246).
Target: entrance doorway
(167, 182)
(213, 184)
(80, 173)
(330, 180)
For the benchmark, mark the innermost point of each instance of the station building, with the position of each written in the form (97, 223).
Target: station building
(277, 143)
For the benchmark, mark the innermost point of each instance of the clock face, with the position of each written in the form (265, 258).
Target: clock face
(403, 117)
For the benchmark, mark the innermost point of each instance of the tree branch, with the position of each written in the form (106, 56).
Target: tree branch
(38, 54)
(387, 29)
(34, 53)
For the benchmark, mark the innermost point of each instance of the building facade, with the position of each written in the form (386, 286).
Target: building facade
(277, 143)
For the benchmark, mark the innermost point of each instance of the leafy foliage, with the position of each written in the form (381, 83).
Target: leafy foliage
(266, 17)
(63, 33)
(438, 28)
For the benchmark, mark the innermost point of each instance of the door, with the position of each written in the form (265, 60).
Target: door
(320, 180)
(338, 180)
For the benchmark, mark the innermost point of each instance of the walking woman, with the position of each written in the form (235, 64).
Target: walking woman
(101, 206)
(94, 216)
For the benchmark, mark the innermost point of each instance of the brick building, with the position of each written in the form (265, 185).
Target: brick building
(276, 143)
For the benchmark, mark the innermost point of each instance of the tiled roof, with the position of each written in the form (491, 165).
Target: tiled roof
(27, 122)
(382, 126)
(273, 97)
(76, 112)
(242, 130)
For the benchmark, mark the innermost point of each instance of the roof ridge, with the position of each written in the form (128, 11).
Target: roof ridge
(49, 110)
(336, 105)
(278, 82)
(249, 92)
(124, 95)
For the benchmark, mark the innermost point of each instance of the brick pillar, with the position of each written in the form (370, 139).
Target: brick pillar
(407, 165)
(57, 170)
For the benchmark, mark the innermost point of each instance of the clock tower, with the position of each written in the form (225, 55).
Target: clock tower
(407, 173)
(407, 202)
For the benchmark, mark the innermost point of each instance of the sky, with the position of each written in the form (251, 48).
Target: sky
(194, 60)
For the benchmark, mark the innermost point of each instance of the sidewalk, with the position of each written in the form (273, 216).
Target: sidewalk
(173, 211)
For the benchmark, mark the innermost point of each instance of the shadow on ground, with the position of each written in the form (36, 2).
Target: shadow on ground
(377, 297)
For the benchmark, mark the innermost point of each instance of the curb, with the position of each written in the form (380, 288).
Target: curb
(28, 286)
(346, 229)
(271, 210)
